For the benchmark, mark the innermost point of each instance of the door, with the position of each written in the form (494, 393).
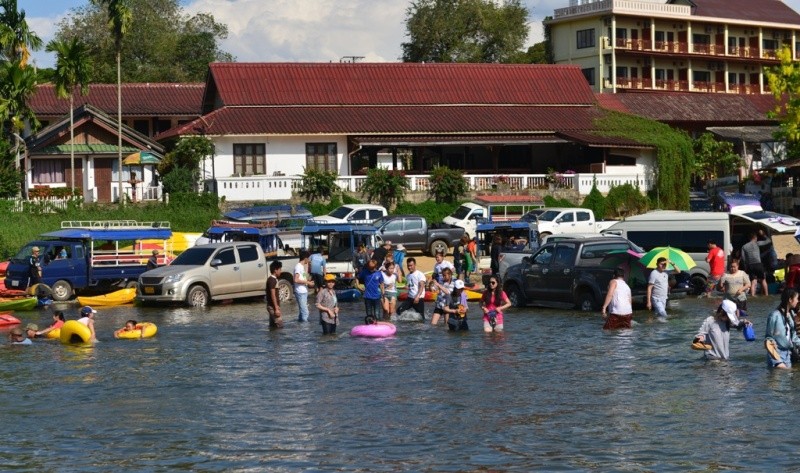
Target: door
(536, 271)
(566, 223)
(226, 277)
(253, 268)
(393, 231)
(584, 222)
(558, 279)
(103, 175)
(415, 233)
(359, 216)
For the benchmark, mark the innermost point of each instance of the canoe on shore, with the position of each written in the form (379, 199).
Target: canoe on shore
(24, 303)
(123, 296)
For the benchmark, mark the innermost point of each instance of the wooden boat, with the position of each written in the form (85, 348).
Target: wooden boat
(123, 296)
(24, 303)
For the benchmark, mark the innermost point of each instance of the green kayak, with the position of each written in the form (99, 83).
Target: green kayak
(26, 303)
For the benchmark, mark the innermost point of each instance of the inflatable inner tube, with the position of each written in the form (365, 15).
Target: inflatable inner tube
(74, 332)
(149, 329)
(373, 331)
(54, 334)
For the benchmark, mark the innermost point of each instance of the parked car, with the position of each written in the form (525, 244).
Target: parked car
(415, 233)
(339, 241)
(554, 221)
(567, 274)
(353, 213)
(216, 271)
(488, 209)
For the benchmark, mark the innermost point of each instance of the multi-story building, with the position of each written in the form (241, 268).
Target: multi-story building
(719, 46)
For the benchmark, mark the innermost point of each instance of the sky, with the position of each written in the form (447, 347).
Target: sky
(295, 30)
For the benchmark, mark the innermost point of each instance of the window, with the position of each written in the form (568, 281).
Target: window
(565, 255)
(732, 78)
(248, 253)
(588, 73)
(567, 217)
(249, 159)
(321, 156)
(142, 126)
(413, 225)
(374, 214)
(600, 251)
(661, 74)
(585, 38)
(622, 33)
(622, 71)
(688, 241)
(395, 226)
(226, 256)
(48, 171)
(701, 76)
(358, 216)
(660, 36)
(544, 256)
(584, 216)
(769, 44)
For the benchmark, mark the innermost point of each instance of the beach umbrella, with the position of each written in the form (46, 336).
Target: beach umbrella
(628, 260)
(139, 158)
(677, 256)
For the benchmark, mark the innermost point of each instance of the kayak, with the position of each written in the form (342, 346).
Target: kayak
(123, 296)
(430, 296)
(6, 319)
(25, 303)
(348, 295)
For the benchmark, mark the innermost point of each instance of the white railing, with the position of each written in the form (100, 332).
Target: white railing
(623, 6)
(606, 181)
(47, 204)
(143, 193)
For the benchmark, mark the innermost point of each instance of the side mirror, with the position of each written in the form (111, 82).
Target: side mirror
(215, 262)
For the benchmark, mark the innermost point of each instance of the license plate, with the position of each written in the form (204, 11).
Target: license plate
(14, 283)
(149, 290)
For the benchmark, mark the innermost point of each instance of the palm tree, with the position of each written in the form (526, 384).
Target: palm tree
(119, 20)
(72, 69)
(16, 39)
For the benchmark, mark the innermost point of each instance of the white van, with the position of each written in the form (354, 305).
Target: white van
(689, 231)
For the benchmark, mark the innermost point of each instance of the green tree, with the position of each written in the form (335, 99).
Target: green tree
(184, 160)
(595, 201)
(170, 46)
(16, 38)
(714, 158)
(385, 187)
(447, 185)
(625, 200)
(784, 82)
(72, 70)
(465, 31)
(319, 185)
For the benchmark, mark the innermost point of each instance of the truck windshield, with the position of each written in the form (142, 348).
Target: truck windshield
(25, 253)
(194, 256)
(341, 212)
(461, 213)
(549, 215)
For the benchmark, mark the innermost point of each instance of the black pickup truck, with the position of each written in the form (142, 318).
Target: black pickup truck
(415, 233)
(566, 273)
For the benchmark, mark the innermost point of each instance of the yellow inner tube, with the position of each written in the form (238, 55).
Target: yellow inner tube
(74, 332)
(148, 328)
(55, 333)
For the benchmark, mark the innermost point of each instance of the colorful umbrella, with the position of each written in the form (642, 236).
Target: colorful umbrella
(628, 260)
(678, 257)
(140, 157)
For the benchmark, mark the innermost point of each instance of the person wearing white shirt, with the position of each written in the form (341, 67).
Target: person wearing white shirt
(301, 285)
(415, 284)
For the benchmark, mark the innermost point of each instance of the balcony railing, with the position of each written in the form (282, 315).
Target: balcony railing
(623, 7)
(696, 49)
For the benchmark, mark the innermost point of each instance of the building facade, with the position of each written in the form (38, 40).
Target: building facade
(719, 46)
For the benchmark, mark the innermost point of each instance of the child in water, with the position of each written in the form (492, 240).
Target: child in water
(456, 312)
(130, 326)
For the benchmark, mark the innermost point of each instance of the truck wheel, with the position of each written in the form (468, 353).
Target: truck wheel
(698, 284)
(285, 291)
(437, 246)
(62, 290)
(586, 302)
(515, 295)
(197, 296)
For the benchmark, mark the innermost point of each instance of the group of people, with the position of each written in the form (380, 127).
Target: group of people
(379, 274)
(20, 336)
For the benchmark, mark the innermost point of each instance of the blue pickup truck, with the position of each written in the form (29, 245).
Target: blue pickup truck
(89, 255)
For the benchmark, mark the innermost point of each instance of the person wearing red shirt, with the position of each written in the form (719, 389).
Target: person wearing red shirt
(716, 262)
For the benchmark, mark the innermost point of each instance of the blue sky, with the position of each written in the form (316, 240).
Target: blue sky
(282, 30)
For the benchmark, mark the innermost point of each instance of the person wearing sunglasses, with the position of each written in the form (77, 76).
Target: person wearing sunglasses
(493, 303)
(658, 288)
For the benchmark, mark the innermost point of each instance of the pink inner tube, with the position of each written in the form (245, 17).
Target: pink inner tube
(375, 331)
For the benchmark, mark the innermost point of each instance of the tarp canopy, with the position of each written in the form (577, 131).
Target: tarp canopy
(777, 223)
(111, 234)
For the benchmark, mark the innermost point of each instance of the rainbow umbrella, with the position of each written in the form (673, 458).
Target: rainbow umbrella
(678, 257)
(141, 157)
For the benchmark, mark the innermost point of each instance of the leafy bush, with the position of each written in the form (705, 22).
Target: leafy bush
(625, 200)
(550, 201)
(385, 187)
(318, 185)
(596, 202)
(447, 185)
(433, 212)
(179, 180)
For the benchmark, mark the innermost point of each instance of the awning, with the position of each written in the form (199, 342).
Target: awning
(748, 134)
(445, 140)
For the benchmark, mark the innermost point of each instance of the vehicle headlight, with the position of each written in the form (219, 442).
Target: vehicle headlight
(173, 278)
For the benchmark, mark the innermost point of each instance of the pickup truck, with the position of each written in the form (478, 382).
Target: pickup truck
(554, 221)
(352, 213)
(491, 209)
(416, 234)
(87, 255)
(566, 273)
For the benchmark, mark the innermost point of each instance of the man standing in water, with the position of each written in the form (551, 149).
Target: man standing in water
(716, 261)
(658, 289)
(751, 257)
(273, 298)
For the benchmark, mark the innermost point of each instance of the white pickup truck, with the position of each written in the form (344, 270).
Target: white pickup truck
(555, 221)
(491, 209)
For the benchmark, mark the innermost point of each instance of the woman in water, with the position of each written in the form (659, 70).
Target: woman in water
(328, 306)
(58, 321)
(781, 334)
(389, 288)
(493, 303)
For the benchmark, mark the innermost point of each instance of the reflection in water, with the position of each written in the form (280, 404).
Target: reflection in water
(216, 390)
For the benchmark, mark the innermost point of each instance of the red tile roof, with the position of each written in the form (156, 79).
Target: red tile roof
(770, 11)
(162, 99)
(671, 107)
(460, 119)
(275, 84)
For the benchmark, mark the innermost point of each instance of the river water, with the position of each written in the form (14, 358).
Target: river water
(215, 390)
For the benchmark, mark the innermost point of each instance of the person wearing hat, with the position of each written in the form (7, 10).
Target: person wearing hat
(87, 319)
(34, 267)
(17, 337)
(716, 330)
(31, 331)
(455, 314)
(781, 336)
(328, 306)
(152, 263)
(380, 252)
